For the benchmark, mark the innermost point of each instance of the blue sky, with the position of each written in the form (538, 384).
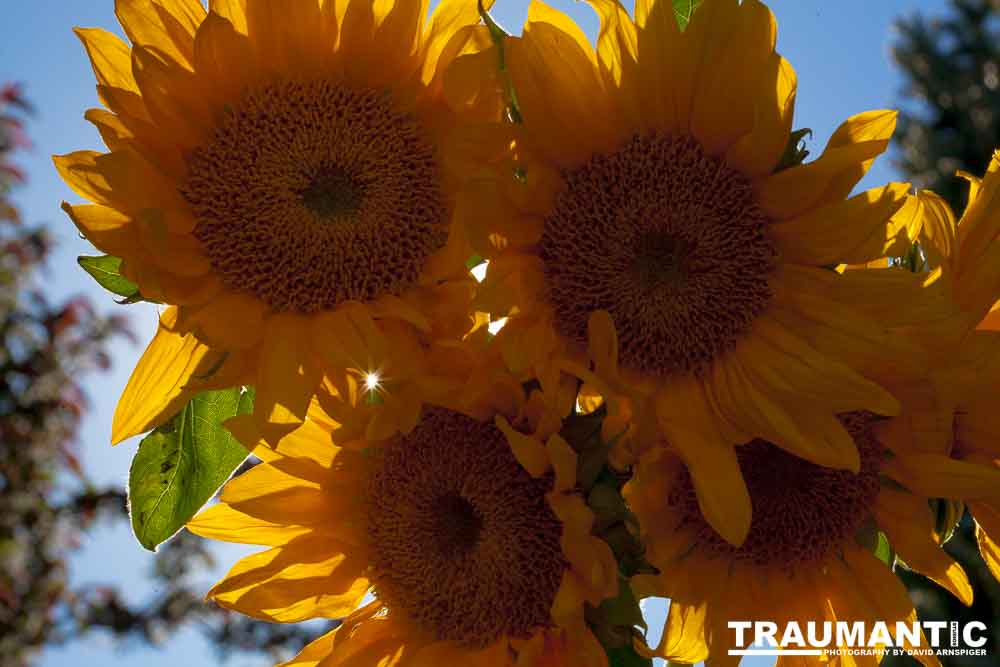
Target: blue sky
(840, 51)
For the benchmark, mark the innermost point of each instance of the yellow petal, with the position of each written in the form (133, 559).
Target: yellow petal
(222, 522)
(357, 29)
(176, 99)
(568, 602)
(561, 95)
(580, 647)
(270, 494)
(848, 155)
(979, 225)
(399, 32)
(234, 11)
(348, 338)
(114, 132)
(375, 640)
(157, 389)
(528, 451)
(702, 44)
(885, 595)
(724, 105)
(448, 18)
(106, 228)
(110, 58)
(779, 415)
(453, 653)
(232, 320)
(684, 636)
(148, 23)
(988, 549)
(177, 254)
(875, 125)
(939, 476)
(287, 378)
(687, 422)
(757, 153)
(467, 76)
(314, 653)
(288, 36)
(158, 285)
(937, 229)
(311, 443)
(307, 578)
(617, 45)
(858, 340)
(907, 521)
(121, 129)
(79, 170)
(809, 374)
(390, 306)
(223, 55)
(852, 231)
(126, 181)
(563, 461)
(657, 68)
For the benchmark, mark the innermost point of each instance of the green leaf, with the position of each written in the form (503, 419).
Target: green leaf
(684, 10)
(181, 465)
(106, 270)
(884, 551)
(607, 504)
(591, 459)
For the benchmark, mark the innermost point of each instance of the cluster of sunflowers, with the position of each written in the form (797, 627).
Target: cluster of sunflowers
(537, 331)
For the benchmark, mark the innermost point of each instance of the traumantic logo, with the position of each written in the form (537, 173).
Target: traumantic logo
(859, 638)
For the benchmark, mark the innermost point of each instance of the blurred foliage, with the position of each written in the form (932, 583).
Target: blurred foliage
(951, 122)
(951, 111)
(46, 501)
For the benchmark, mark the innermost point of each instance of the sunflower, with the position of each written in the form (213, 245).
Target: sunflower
(809, 554)
(963, 257)
(270, 164)
(467, 530)
(973, 383)
(651, 219)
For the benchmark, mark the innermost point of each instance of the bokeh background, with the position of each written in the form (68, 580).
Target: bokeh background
(129, 605)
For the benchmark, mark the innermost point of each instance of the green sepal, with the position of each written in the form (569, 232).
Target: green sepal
(871, 538)
(615, 624)
(684, 10)
(884, 551)
(795, 151)
(624, 610)
(473, 262)
(106, 270)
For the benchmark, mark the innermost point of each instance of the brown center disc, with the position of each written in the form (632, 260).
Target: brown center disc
(668, 240)
(801, 511)
(312, 194)
(463, 537)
